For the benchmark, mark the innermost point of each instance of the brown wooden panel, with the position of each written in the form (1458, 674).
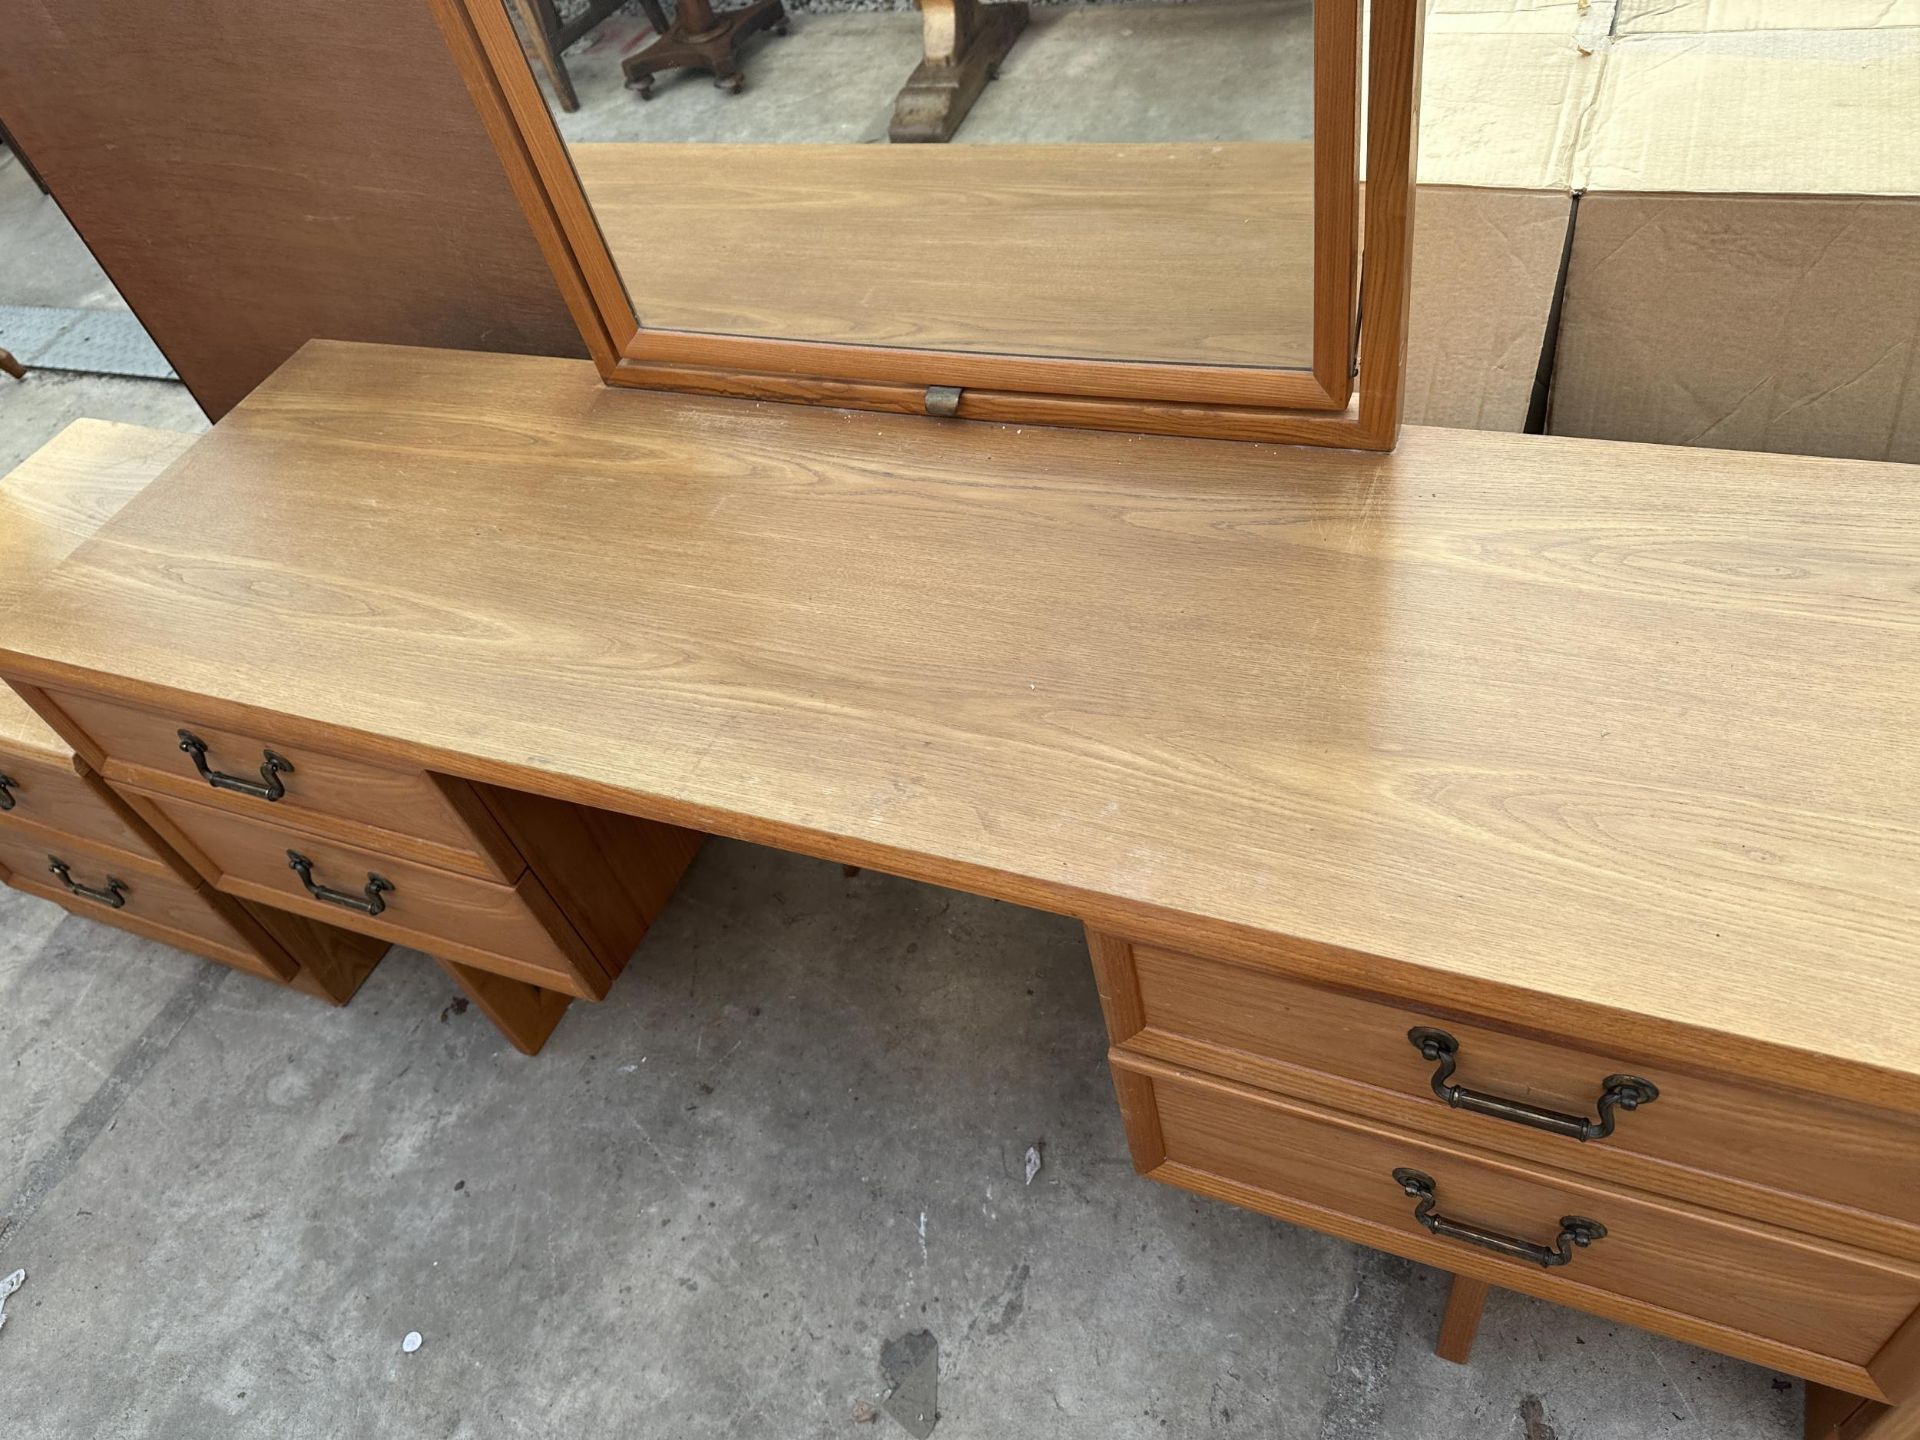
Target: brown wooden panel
(513, 930)
(334, 963)
(1266, 1028)
(1813, 1308)
(406, 812)
(612, 874)
(254, 175)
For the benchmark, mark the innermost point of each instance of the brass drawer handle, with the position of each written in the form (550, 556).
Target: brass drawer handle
(1574, 1229)
(372, 902)
(7, 786)
(113, 897)
(267, 787)
(1617, 1092)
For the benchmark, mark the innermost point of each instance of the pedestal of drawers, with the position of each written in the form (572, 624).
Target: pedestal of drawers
(526, 902)
(1726, 1211)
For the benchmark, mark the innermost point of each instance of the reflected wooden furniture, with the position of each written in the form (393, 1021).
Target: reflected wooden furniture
(1499, 852)
(547, 36)
(1201, 254)
(64, 835)
(702, 38)
(962, 44)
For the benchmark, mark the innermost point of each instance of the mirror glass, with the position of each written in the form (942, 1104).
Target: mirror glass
(1122, 182)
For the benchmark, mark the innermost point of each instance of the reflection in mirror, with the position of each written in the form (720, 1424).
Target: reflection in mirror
(1136, 184)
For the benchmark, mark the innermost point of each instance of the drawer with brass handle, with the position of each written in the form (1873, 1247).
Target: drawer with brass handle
(1811, 1307)
(513, 930)
(44, 800)
(144, 895)
(1846, 1169)
(424, 817)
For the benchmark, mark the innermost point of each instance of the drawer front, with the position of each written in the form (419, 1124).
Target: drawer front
(50, 800)
(513, 930)
(1265, 1028)
(1747, 1281)
(405, 812)
(153, 902)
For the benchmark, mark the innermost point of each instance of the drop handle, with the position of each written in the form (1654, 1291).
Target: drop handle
(1575, 1230)
(7, 786)
(268, 787)
(114, 896)
(1617, 1092)
(370, 901)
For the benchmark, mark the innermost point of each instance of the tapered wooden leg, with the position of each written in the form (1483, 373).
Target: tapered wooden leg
(1461, 1321)
(524, 1013)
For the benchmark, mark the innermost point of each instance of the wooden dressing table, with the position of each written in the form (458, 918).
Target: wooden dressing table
(1498, 850)
(1428, 811)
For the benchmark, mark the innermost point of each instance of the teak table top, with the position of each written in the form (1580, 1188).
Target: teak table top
(49, 503)
(1199, 253)
(1576, 732)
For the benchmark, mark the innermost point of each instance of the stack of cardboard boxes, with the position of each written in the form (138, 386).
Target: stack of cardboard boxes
(1690, 222)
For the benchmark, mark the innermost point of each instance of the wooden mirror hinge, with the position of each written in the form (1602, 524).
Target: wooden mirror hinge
(943, 400)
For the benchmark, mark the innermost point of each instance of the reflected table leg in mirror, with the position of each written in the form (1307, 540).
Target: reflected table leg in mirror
(701, 39)
(964, 42)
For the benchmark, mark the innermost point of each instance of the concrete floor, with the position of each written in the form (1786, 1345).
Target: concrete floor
(1236, 70)
(793, 1132)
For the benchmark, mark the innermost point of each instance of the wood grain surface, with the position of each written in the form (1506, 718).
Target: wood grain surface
(1594, 738)
(49, 503)
(1199, 253)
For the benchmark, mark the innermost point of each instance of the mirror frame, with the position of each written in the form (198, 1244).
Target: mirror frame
(1318, 406)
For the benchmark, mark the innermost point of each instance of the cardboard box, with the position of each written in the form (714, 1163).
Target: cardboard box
(1501, 94)
(1745, 269)
(1745, 260)
(1486, 266)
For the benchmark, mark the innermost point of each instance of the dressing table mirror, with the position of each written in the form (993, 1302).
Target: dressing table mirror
(1047, 264)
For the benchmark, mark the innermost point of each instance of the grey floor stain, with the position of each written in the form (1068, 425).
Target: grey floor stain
(1533, 1415)
(141, 1055)
(1016, 1301)
(911, 1367)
